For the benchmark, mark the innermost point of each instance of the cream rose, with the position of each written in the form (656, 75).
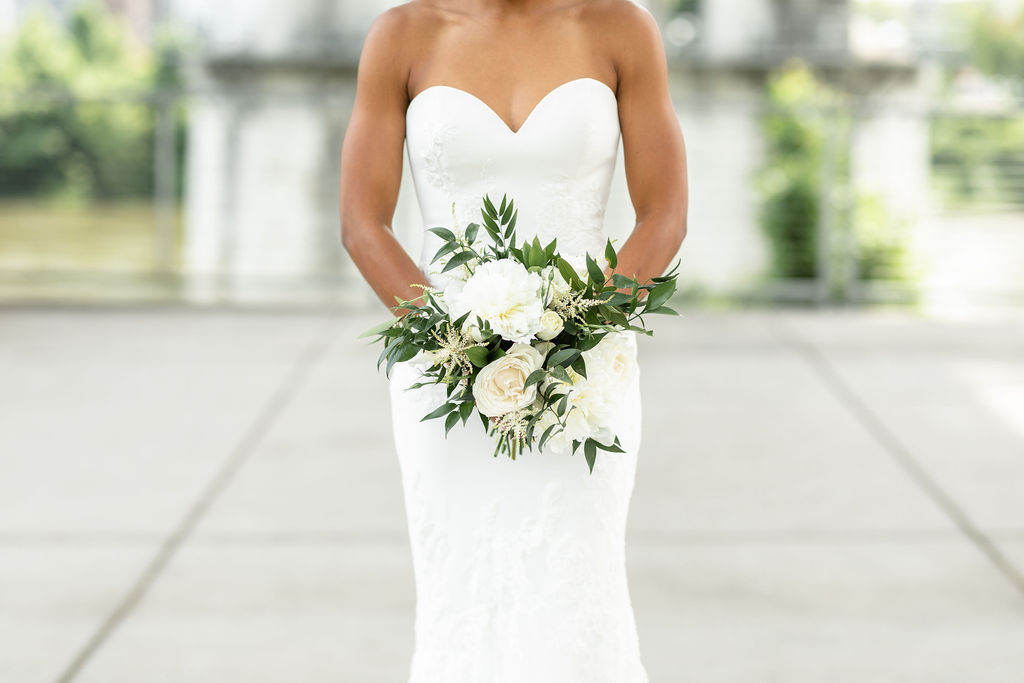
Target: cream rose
(551, 325)
(500, 385)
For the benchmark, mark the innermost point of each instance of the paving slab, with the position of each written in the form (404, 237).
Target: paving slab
(950, 396)
(115, 420)
(53, 597)
(928, 611)
(233, 611)
(773, 535)
(742, 435)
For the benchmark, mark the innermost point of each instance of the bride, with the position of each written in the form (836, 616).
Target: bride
(519, 565)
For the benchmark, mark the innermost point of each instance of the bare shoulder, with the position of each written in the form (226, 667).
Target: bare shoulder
(629, 30)
(401, 34)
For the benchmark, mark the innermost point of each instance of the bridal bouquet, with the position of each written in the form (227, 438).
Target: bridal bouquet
(532, 341)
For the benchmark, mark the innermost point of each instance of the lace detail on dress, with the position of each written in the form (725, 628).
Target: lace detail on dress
(528, 588)
(435, 158)
(573, 211)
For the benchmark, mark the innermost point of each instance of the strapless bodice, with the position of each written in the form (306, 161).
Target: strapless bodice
(557, 167)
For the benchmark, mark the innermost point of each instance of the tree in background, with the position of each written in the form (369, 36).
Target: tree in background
(980, 159)
(997, 43)
(807, 134)
(74, 115)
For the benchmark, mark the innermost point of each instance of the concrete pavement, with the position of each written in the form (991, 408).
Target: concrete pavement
(212, 496)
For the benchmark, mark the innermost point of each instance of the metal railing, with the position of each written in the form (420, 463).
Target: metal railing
(129, 244)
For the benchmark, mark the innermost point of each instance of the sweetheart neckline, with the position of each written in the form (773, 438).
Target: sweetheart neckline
(495, 114)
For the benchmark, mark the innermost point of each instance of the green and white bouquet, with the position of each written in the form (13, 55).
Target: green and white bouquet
(535, 343)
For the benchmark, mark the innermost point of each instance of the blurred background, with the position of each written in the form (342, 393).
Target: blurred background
(197, 479)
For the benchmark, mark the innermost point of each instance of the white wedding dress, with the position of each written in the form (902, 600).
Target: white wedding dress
(519, 565)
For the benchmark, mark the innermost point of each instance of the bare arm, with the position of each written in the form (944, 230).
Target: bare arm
(654, 153)
(371, 164)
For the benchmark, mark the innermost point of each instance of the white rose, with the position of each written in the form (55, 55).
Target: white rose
(506, 295)
(500, 386)
(551, 325)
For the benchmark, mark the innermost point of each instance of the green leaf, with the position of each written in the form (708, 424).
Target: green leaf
(559, 373)
(549, 251)
(457, 260)
(512, 221)
(443, 233)
(439, 411)
(534, 377)
(465, 410)
(563, 357)
(507, 213)
(546, 434)
(378, 329)
(660, 294)
(580, 365)
(621, 281)
(596, 274)
(609, 253)
(665, 310)
(536, 253)
(569, 273)
(562, 405)
(471, 230)
(619, 298)
(611, 448)
(501, 209)
(451, 421)
(590, 450)
(490, 207)
(446, 248)
(477, 355)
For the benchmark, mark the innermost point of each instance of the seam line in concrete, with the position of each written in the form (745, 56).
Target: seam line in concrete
(251, 438)
(892, 445)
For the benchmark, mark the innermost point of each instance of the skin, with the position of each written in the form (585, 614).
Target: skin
(509, 53)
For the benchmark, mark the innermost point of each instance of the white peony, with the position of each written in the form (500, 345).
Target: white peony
(551, 325)
(500, 385)
(612, 363)
(594, 399)
(506, 295)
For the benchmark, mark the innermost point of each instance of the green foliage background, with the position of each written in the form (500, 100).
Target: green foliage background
(866, 237)
(76, 112)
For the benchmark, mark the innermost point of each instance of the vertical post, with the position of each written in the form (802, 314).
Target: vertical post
(164, 167)
(853, 289)
(826, 210)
